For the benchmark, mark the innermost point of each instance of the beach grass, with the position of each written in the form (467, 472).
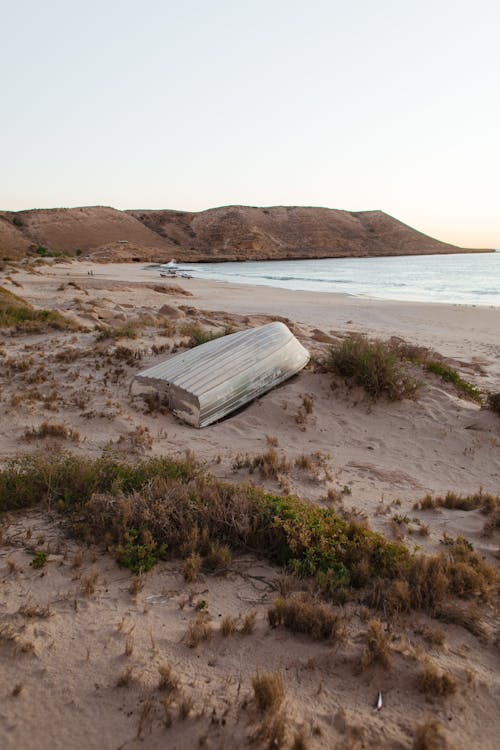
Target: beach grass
(16, 313)
(375, 365)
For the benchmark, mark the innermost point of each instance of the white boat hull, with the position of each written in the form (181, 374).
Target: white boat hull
(210, 381)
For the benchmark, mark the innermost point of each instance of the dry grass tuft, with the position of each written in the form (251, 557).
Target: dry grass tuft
(77, 561)
(185, 706)
(168, 681)
(35, 610)
(48, 430)
(429, 736)
(136, 585)
(492, 524)
(269, 691)
(433, 682)
(271, 465)
(228, 626)
(484, 501)
(127, 331)
(302, 614)
(378, 649)
(434, 636)
(126, 678)
(89, 582)
(199, 630)
(129, 646)
(272, 730)
(468, 617)
(192, 567)
(248, 624)
(11, 565)
(219, 557)
(494, 402)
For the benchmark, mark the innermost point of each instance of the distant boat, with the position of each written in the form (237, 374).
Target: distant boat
(210, 381)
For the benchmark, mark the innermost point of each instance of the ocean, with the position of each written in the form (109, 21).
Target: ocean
(466, 279)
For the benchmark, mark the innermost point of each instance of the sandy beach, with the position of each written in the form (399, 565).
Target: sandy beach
(380, 457)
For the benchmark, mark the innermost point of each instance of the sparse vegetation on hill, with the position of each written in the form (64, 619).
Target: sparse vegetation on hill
(18, 314)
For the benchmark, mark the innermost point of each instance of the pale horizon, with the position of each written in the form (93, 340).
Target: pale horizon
(360, 107)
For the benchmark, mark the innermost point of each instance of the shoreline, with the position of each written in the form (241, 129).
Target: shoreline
(456, 330)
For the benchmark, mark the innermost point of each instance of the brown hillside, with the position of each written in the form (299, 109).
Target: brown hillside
(242, 233)
(13, 243)
(86, 229)
(226, 233)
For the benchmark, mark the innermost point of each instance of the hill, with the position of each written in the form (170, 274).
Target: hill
(218, 234)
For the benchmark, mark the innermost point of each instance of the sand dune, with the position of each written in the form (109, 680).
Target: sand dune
(70, 630)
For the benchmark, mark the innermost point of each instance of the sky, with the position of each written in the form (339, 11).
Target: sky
(355, 104)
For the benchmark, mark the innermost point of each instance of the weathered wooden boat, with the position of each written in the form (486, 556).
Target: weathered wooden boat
(211, 380)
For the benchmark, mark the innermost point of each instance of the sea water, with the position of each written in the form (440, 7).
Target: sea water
(467, 279)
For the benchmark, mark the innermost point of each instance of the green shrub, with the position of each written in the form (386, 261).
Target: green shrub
(139, 552)
(449, 375)
(44, 253)
(141, 509)
(70, 481)
(39, 560)
(374, 365)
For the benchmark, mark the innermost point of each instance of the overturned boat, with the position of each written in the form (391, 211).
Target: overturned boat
(211, 380)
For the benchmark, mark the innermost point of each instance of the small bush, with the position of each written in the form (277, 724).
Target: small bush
(139, 552)
(269, 691)
(374, 365)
